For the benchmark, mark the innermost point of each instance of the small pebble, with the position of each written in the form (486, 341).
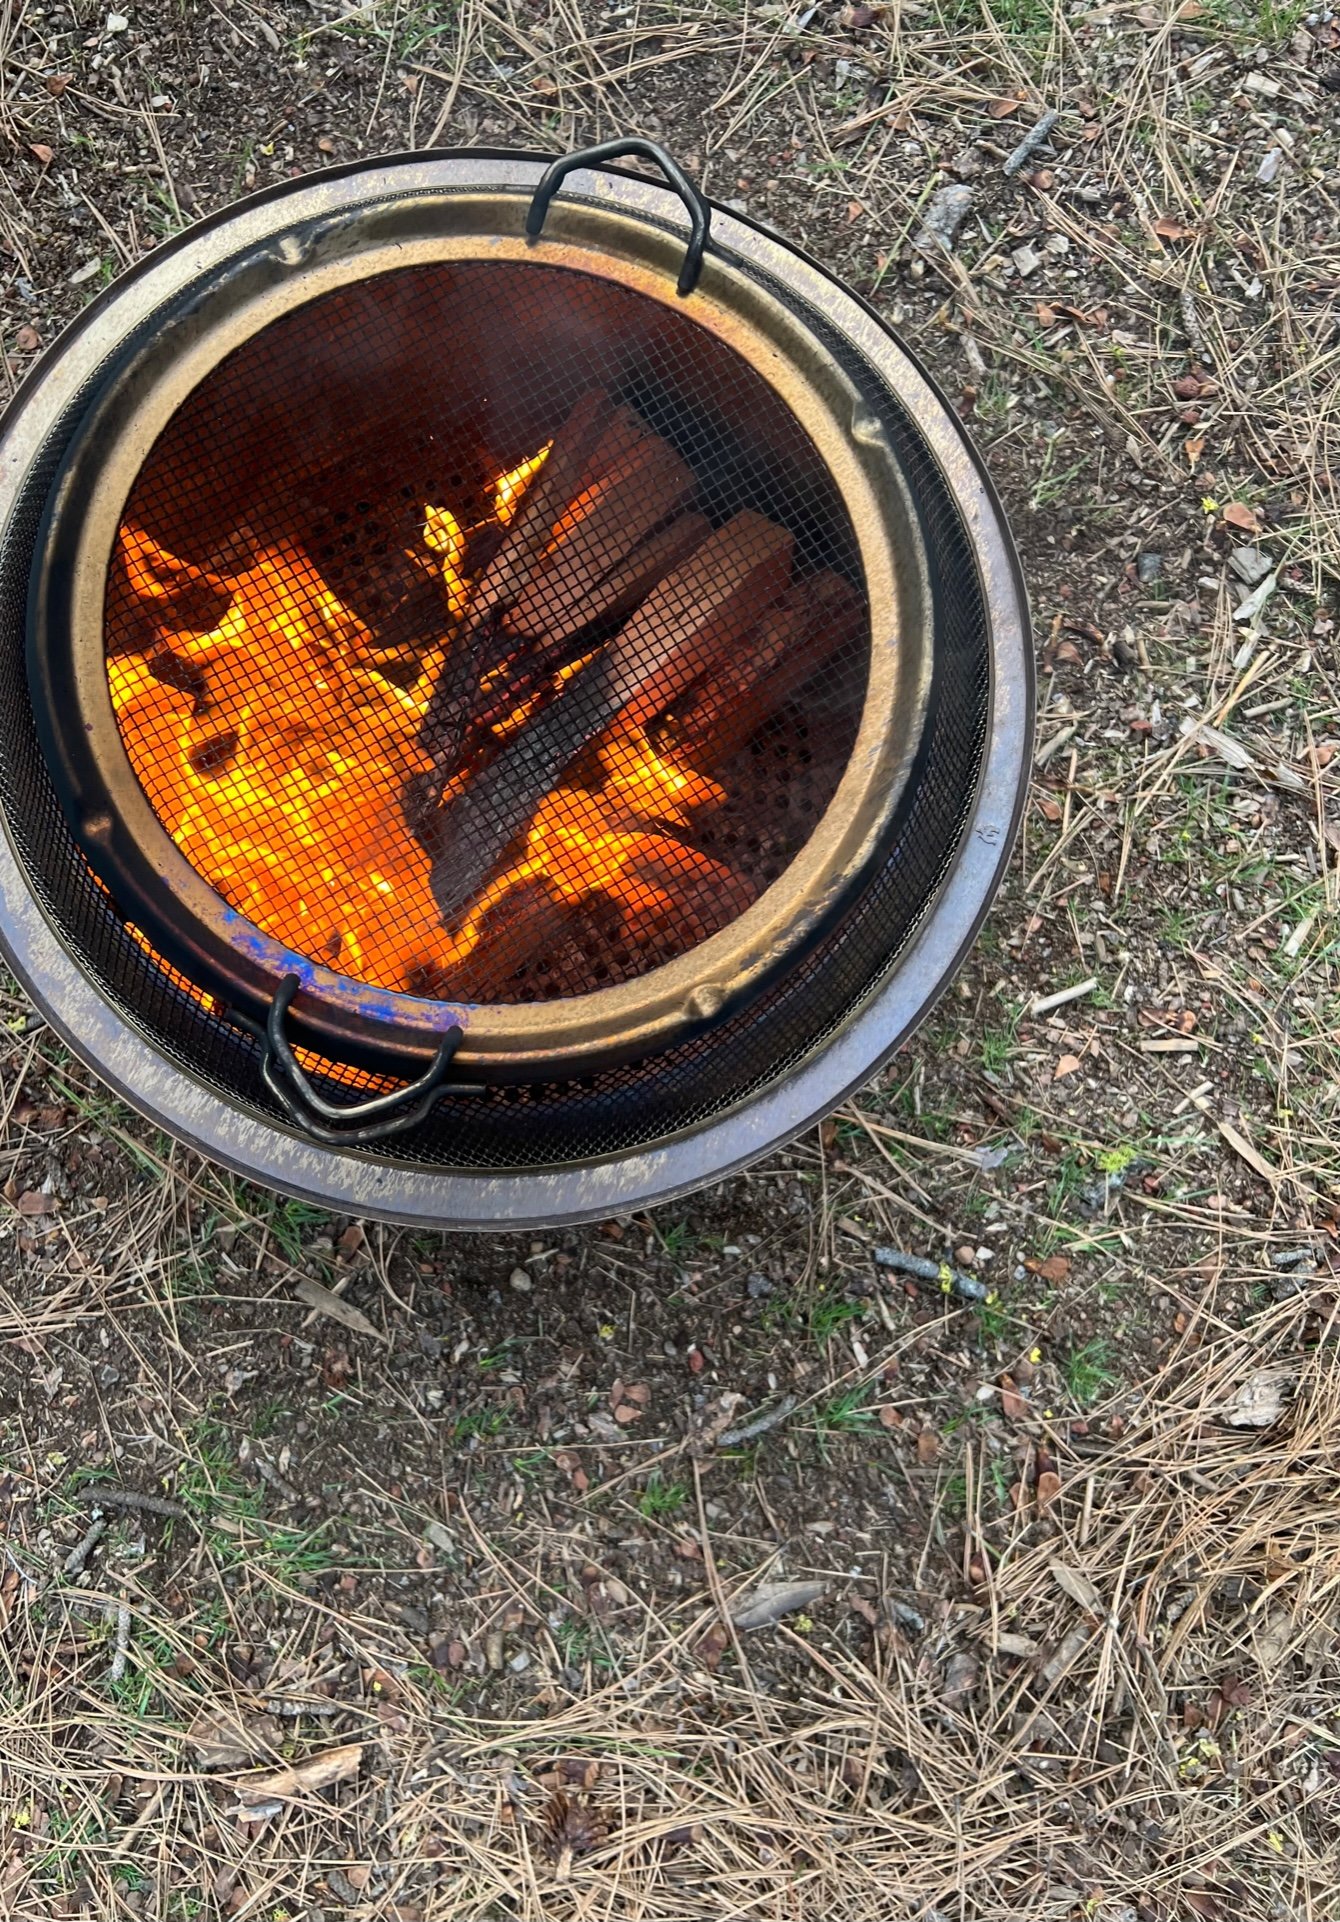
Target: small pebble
(521, 1281)
(1148, 567)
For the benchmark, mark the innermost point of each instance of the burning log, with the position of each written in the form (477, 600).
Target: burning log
(602, 529)
(727, 706)
(451, 706)
(685, 625)
(590, 541)
(161, 594)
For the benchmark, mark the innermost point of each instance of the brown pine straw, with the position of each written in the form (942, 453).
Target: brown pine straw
(1144, 1720)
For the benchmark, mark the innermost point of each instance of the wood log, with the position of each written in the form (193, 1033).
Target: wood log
(617, 512)
(525, 924)
(686, 624)
(613, 599)
(794, 639)
(451, 705)
(558, 482)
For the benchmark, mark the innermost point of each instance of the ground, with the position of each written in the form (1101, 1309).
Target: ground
(433, 1602)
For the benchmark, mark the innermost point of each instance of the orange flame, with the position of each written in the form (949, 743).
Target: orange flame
(276, 755)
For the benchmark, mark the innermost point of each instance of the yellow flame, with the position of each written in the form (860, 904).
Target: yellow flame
(509, 489)
(445, 535)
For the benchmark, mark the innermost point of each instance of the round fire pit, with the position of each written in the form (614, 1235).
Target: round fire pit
(518, 691)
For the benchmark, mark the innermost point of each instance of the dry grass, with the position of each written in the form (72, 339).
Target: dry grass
(1137, 1704)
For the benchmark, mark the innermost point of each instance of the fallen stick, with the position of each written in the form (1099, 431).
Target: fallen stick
(1032, 140)
(97, 1497)
(949, 1280)
(75, 1560)
(751, 1430)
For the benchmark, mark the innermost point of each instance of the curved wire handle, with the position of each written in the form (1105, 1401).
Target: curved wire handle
(365, 1121)
(700, 212)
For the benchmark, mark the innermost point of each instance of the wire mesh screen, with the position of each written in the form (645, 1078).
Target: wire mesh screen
(620, 1110)
(487, 631)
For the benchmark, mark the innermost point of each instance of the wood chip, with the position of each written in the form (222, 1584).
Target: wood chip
(1045, 1003)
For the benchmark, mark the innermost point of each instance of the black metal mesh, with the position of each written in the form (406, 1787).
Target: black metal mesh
(458, 715)
(621, 1110)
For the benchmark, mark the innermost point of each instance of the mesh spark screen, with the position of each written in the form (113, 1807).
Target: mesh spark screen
(487, 631)
(617, 1111)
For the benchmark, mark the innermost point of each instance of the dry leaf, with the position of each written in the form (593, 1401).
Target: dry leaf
(1054, 1269)
(1012, 1404)
(1068, 1064)
(960, 1678)
(928, 1446)
(1002, 108)
(712, 1646)
(56, 83)
(1193, 449)
(1169, 227)
(1238, 514)
(34, 1202)
(1257, 1402)
(224, 1739)
(27, 340)
(771, 1600)
(1077, 1586)
(313, 1295)
(1049, 1488)
(317, 1772)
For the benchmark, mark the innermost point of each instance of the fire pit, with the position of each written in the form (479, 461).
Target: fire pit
(517, 689)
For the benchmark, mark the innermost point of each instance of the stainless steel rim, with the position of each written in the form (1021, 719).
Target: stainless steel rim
(268, 1153)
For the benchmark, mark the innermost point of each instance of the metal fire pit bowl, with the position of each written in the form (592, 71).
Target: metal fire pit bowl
(592, 1092)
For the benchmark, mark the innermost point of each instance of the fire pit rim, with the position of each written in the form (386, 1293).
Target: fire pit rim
(260, 1149)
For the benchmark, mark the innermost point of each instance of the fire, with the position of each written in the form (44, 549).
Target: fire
(509, 489)
(277, 755)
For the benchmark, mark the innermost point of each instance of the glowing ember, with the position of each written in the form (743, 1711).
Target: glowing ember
(277, 756)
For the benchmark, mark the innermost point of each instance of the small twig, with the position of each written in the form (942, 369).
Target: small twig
(1046, 1002)
(748, 1431)
(117, 1671)
(74, 1561)
(131, 1498)
(950, 1281)
(1191, 322)
(1032, 140)
(272, 1475)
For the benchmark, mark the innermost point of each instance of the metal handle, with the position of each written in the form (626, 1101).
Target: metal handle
(362, 1122)
(700, 212)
